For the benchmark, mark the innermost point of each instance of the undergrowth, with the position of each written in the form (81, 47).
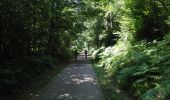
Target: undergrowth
(142, 69)
(109, 88)
(17, 75)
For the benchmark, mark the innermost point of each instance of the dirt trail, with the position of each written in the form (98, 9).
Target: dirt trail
(77, 82)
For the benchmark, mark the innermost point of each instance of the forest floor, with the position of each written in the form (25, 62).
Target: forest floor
(30, 90)
(77, 81)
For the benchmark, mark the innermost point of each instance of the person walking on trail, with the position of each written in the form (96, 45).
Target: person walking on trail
(85, 54)
(76, 54)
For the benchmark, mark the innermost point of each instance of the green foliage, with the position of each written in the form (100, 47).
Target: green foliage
(160, 92)
(48, 31)
(34, 36)
(96, 52)
(18, 72)
(139, 60)
(110, 90)
(142, 69)
(130, 40)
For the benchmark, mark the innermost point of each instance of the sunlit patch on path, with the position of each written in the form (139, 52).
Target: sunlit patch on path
(76, 82)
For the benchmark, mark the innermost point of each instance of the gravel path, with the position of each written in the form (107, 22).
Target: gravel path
(76, 82)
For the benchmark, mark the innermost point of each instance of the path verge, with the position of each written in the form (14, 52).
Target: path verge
(39, 82)
(109, 89)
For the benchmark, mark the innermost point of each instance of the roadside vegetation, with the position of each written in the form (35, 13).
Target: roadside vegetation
(139, 60)
(128, 39)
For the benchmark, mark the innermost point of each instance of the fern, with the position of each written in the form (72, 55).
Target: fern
(124, 75)
(143, 69)
(160, 92)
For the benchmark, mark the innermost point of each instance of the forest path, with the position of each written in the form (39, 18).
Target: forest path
(76, 82)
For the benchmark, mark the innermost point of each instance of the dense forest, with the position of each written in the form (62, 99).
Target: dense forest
(128, 40)
(35, 35)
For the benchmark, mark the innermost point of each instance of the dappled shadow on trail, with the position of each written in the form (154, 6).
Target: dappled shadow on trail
(81, 59)
(76, 82)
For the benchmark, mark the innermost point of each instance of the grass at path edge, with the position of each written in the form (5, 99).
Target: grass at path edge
(109, 89)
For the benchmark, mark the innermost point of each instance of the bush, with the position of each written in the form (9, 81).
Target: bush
(142, 69)
(18, 73)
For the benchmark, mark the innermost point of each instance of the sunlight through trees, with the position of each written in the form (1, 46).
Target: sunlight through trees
(128, 38)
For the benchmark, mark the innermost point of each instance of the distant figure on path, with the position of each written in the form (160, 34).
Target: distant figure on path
(76, 54)
(85, 54)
